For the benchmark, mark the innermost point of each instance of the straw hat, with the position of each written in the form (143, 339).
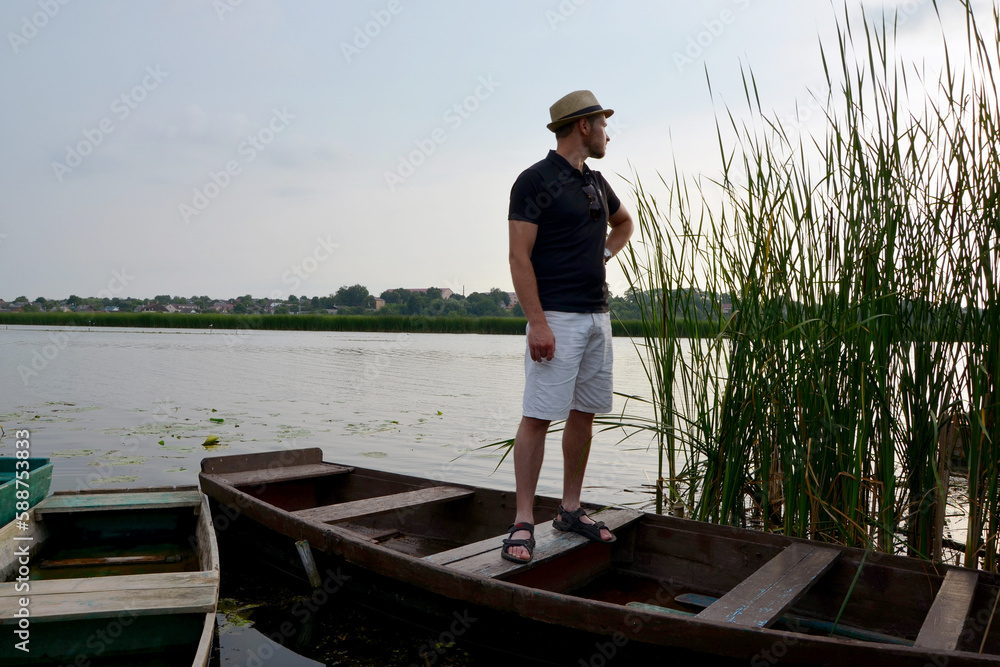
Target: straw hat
(578, 104)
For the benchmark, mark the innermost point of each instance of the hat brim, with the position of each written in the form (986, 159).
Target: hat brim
(556, 124)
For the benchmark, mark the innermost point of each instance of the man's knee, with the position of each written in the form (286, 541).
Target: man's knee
(535, 424)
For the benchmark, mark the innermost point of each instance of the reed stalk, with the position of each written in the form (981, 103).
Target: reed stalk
(861, 268)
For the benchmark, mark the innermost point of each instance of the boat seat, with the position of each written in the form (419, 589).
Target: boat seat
(105, 597)
(281, 474)
(483, 558)
(406, 501)
(945, 621)
(60, 503)
(760, 599)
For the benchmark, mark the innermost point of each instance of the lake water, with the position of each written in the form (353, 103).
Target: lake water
(133, 407)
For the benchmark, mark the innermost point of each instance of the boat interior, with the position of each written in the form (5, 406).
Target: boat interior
(139, 564)
(658, 564)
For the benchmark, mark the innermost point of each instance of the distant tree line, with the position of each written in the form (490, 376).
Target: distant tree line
(352, 300)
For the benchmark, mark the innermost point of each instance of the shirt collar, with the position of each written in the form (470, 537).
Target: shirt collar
(564, 164)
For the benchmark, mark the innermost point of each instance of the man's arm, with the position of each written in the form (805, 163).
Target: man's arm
(621, 231)
(541, 342)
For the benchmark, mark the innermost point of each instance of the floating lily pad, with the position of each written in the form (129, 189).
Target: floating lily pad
(235, 613)
(126, 460)
(72, 453)
(119, 479)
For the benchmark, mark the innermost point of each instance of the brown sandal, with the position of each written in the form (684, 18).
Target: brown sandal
(571, 521)
(528, 544)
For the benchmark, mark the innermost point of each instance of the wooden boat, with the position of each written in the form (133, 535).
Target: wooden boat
(666, 583)
(32, 477)
(110, 578)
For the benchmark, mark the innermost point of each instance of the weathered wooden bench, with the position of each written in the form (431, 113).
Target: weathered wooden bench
(761, 599)
(407, 500)
(945, 621)
(258, 469)
(483, 558)
(61, 503)
(104, 597)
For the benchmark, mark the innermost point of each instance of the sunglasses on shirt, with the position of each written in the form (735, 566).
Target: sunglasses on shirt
(596, 210)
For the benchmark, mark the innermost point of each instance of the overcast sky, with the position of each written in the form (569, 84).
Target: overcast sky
(273, 146)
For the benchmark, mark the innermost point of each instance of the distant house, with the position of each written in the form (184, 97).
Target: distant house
(445, 292)
(379, 303)
(182, 308)
(111, 309)
(155, 308)
(513, 300)
(222, 307)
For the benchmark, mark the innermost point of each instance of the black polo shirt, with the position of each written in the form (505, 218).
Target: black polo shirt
(568, 256)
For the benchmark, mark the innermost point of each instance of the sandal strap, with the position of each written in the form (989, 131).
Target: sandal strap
(529, 542)
(575, 514)
(523, 525)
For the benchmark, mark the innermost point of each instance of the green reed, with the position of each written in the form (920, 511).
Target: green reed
(861, 267)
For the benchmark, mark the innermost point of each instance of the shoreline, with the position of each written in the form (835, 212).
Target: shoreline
(307, 322)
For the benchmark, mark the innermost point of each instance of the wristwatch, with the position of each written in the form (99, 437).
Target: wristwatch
(607, 255)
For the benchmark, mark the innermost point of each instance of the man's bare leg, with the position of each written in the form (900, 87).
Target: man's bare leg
(529, 449)
(576, 450)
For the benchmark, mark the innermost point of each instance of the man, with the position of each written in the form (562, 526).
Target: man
(560, 211)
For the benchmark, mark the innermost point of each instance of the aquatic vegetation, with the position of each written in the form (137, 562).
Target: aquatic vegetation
(854, 274)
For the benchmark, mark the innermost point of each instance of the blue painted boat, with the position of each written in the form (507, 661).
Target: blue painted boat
(31, 477)
(117, 577)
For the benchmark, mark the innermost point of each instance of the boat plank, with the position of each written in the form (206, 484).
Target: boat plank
(946, 619)
(382, 504)
(760, 599)
(483, 558)
(131, 582)
(117, 501)
(59, 606)
(288, 458)
(283, 474)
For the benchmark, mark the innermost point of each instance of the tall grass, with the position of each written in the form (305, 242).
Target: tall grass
(861, 265)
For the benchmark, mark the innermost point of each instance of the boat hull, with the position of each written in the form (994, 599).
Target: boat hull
(35, 483)
(358, 519)
(122, 577)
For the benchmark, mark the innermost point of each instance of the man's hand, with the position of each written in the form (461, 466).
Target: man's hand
(541, 342)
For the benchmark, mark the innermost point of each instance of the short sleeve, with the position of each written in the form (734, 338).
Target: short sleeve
(523, 197)
(613, 202)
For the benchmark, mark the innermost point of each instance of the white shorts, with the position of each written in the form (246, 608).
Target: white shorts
(578, 377)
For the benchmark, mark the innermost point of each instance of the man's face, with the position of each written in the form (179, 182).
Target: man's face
(597, 140)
